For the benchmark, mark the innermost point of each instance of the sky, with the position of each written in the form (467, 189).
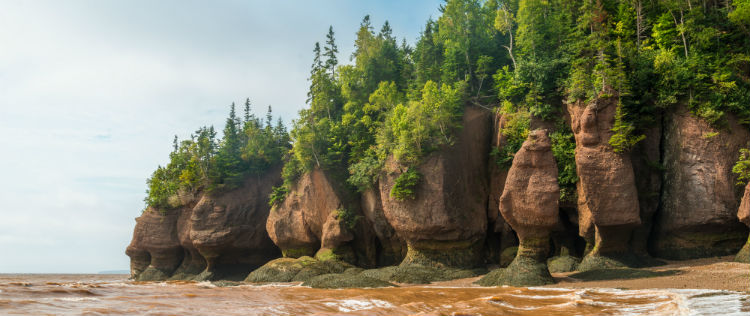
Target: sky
(93, 92)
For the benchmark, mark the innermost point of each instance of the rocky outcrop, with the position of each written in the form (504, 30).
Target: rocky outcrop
(392, 248)
(607, 197)
(500, 236)
(530, 205)
(318, 219)
(228, 229)
(446, 222)
(211, 236)
(744, 215)
(155, 251)
(700, 199)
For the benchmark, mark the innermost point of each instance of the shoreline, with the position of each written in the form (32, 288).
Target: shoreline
(718, 273)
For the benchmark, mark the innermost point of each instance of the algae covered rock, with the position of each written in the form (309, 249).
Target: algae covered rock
(565, 263)
(297, 270)
(418, 274)
(523, 271)
(345, 280)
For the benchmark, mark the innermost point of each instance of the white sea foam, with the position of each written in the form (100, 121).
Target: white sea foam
(351, 305)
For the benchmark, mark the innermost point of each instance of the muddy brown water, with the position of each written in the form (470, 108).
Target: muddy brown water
(50, 294)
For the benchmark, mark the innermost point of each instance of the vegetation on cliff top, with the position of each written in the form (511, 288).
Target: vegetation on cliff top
(249, 146)
(527, 57)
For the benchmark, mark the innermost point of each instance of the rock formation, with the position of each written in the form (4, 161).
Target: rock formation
(530, 205)
(392, 248)
(155, 251)
(211, 236)
(228, 229)
(744, 215)
(445, 224)
(607, 197)
(499, 236)
(317, 219)
(700, 198)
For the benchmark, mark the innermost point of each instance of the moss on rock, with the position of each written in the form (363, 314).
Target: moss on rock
(279, 270)
(459, 254)
(744, 254)
(345, 280)
(620, 274)
(152, 274)
(507, 256)
(611, 261)
(523, 271)
(562, 264)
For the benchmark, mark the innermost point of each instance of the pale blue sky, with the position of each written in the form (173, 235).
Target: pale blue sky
(92, 92)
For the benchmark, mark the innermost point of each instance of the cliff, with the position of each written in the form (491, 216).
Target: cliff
(672, 196)
(212, 236)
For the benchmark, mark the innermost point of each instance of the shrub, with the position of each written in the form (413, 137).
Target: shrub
(742, 168)
(403, 189)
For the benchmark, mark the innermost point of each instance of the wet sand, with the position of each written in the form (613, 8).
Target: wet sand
(709, 273)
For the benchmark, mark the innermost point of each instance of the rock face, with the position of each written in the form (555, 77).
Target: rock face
(744, 215)
(500, 236)
(228, 229)
(445, 224)
(212, 236)
(392, 248)
(646, 156)
(317, 219)
(700, 199)
(607, 196)
(530, 205)
(155, 251)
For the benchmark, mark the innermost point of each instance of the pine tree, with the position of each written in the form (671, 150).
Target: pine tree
(330, 52)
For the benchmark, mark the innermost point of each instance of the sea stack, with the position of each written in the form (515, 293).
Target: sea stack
(607, 196)
(530, 204)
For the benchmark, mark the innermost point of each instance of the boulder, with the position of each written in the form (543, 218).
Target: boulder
(744, 215)
(446, 221)
(530, 204)
(607, 197)
(228, 228)
(700, 199)
(155, 251)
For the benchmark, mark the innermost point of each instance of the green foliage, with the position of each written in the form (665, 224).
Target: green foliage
(403, 188)
(348, 217)
(202, 162)
(514, 131)
(623, 139)
(742, 168)
(419, 127)
(564, 150)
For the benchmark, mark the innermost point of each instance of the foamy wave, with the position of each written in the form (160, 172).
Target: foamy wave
(351, 305)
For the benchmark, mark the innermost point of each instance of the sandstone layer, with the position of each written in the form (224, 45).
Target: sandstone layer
(607, 197)
(446, 222)
(530, 205)
(698, 216)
